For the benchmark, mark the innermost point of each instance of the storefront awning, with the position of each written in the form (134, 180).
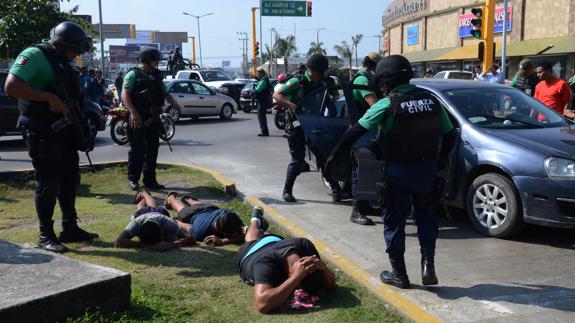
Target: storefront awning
(532, 47)
(427, 55)
(469, 52)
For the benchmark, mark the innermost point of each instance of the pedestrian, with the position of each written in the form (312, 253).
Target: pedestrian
(99, 87)
(288, 96)
(263, 93)
(118, 86)
(492, 75)
(526, 79)
(143, 94)
(429, 74)
(365, 95)
(410, 122)
(89, 87)
(553, 91)
(33, 79)
(477, 72)
(84, 80)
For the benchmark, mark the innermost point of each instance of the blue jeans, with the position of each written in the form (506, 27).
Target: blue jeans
(411, 187)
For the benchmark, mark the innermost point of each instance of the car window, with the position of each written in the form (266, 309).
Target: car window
(312, 104)
(249, 87)
(184, 75)
(503, 108)
(211, 76)
(460, 76)
(2, 82)
(439, 75)
(194, 76)
(200, 89)
(182, 87)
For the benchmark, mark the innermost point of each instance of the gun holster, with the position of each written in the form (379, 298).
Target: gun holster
(383, 194)
(39, 147)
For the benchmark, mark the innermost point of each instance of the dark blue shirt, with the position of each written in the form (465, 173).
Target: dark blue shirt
(203, 223)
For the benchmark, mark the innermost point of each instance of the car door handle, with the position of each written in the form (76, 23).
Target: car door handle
(318, 131)
(201, 97)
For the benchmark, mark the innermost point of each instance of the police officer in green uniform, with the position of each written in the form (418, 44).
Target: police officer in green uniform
(410, 122)
(143, 94)
(263, 94)
(365, 95)
(289, 96)
(36, 79)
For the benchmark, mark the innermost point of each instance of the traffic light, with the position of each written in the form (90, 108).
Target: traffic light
(132, 31)
(309, 7)
(477, 22)
(257, 49)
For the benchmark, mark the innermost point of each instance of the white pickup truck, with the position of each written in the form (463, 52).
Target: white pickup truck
(214, 78)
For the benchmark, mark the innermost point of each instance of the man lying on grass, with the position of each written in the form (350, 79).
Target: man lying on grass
(277, 267)
(208, 223)
(154, 227)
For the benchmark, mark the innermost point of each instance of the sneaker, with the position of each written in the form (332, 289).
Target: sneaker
(155, 185)
(166, 204)
(258, 213)
(288, 197)
(51, 244)
(133, 185)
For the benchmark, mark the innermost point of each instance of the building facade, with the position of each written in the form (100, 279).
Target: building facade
(435, 34)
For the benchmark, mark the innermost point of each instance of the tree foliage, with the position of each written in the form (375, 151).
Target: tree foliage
(27, 22)
(355, 40)
(285, 47)
(345, 51)
(316, 48)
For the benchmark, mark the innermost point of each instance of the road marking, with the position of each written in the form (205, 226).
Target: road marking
(387, 293)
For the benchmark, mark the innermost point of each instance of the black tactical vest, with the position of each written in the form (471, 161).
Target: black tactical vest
(527, 84)
(37, 115)
(415, 131)
(148, 91)
(266, 95)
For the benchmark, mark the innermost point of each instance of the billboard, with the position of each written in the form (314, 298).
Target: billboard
(142, 37)
(413, 34)
(124, 54)
(465, 26)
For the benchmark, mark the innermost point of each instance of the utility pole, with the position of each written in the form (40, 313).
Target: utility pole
(244, 50)
(254, 40)
(504, 42)
(272, 50)
(101, 40)
(194, 49)
(488, 29)
(317, 34)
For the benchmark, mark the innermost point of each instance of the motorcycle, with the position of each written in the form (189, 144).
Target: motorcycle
(120, 117)
(280, 115)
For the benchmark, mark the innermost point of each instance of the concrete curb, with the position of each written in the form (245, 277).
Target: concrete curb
(388, 294)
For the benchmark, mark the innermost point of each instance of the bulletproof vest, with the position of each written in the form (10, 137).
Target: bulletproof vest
(37, 115)
(414, 134)
(527, 84)
(147, 93)
(266, 95)
(371, 86)
(306, 86)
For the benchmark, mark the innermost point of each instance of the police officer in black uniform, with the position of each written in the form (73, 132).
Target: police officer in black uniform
(43, 78)
(290, 95)
(410, 122)
(143, 94)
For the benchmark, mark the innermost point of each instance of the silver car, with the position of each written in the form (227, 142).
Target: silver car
(198, 100)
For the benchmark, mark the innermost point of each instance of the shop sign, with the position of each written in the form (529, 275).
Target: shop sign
(400, 9)
(465, 26)
(412, 34)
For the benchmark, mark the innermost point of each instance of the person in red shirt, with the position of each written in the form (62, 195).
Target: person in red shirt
(553, 91)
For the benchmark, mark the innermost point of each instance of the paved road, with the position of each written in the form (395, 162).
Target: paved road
(529, 279)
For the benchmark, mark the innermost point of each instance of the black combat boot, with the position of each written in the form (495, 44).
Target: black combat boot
(366, 208)
(358, 217)
(288, 197)
(48, 240)
(428, 276)
(71, 232)
(397, 277)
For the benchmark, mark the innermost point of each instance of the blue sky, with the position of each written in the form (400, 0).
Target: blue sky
(340, 18)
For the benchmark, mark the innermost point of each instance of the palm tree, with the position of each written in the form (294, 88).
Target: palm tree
(316, 48)
(267, 57)
(285, 47)
(346, 52)
(355, 40)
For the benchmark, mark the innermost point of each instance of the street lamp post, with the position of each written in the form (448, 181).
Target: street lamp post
(199, 34)
(317, 34)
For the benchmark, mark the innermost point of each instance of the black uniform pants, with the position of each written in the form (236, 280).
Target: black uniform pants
(143, 155)
(58, 178)
(263, 106)
(297, 151)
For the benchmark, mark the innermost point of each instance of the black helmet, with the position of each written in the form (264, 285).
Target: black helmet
(317, 63)
(149, 55)
(301, 67)
(394, 67)
(69, 36)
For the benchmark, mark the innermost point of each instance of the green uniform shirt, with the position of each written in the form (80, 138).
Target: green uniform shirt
(514, 81)
(262, 85)
(359, 95)
(130, 81)
(374, 117)
(33, 67)
(291, 88)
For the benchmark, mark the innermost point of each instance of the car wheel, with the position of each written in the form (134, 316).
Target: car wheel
(93, 126)
(493, 206)
(226, 112)
(173, 113)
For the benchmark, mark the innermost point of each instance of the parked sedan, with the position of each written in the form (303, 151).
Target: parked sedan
(513, 163)
(456, 75)
(197, 100)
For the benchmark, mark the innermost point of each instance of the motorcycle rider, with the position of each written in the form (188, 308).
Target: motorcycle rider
(289, 95)
(32, 79)
(263, 93)
(143, 90)
(365, 95)
(410, 122)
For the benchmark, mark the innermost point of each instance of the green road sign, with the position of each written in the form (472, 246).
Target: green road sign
(284, 8)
